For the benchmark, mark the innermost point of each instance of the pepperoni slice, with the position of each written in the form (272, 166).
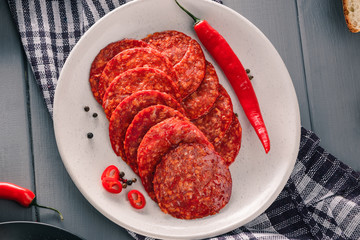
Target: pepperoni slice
(185, 54)
(229, 146)
(132, 58)
(105, 55)
(200, 101)
(172, 44)
(216, 122)
(126, 111)
(192, 181)
(134, 80)
(190, 70)
(139, 126)
(160, 139)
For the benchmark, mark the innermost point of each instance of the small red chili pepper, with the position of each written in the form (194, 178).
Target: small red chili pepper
(23, 196)
(111, 171)
(112, 185)
(137, 199)
(223, 54)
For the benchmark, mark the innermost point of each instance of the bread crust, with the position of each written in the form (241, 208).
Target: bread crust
(348, 17)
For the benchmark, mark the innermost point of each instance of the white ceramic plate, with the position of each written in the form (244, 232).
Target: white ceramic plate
(258, 178)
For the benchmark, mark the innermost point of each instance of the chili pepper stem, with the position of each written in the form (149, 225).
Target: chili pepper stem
(196, 20)
(40, 206)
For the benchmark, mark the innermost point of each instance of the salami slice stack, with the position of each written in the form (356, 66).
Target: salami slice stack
(125, 112)
(103, 57)
(158, 141)
(170, 120)
(229, 146)
(186, 56)
(217, 121)
(200, 102)
(140, 125)
(134, 80)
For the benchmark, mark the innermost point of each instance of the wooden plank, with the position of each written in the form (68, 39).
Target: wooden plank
(277, 19)
(331, 57)
(54, 186)
(15, 150)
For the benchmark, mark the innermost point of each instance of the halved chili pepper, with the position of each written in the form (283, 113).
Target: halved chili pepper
(137, 199)
(112, 185)
(111, 171)
(223, 54)
(23, 196)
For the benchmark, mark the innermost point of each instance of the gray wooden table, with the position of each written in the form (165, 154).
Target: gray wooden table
(323, 59)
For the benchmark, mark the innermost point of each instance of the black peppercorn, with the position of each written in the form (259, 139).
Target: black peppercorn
(247, 70)
(86, 109)
(122, 174)
(90, 135)
(95, 115)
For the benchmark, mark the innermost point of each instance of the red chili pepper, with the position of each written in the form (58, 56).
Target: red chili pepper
(137, 199)
(111, 171)
(112, 185)
(221, 51)
(23, 196)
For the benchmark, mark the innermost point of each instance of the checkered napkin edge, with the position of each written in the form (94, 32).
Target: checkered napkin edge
(49, 30)
(320, 200)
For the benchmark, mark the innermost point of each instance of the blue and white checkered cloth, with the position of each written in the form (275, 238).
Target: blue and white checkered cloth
(321, 200)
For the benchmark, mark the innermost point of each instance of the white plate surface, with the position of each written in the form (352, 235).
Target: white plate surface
(257, 177)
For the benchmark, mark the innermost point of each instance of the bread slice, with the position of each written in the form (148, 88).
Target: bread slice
(352, 14)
